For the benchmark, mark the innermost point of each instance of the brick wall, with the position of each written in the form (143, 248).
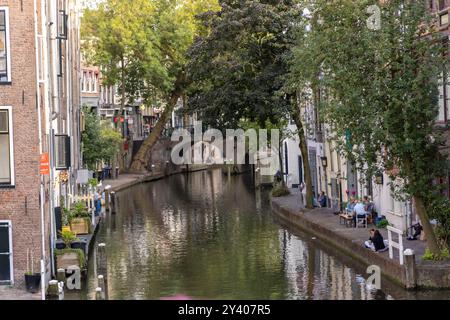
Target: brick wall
(21, 203)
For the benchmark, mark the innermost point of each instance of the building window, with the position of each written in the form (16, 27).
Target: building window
(5, 59)
(95, 82)
(6, 147)
(83, 82)
(62, 152)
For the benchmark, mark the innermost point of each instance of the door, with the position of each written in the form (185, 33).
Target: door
(352, 180)
(334, 195)
(6, 267)
(313, 168)
(300, 170)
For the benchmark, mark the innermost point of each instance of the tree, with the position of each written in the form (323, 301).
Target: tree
(238, 69)
(100, 141)
(141, 46)
(381, 86)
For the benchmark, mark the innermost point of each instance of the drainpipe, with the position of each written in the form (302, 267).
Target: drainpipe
(54, 113)
(41, 189)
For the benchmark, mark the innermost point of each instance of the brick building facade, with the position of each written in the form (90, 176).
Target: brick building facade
(39, 114)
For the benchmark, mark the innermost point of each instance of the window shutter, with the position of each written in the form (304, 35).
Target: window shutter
(5, 253)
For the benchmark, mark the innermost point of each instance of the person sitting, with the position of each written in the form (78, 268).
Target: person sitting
(417, 231)
(359, 211)
(350, 206)
(323, 200)
(370, 208)
(376, 242)
(278, 176)
(316, 203)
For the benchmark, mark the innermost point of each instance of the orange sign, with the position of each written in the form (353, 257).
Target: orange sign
(44, 164)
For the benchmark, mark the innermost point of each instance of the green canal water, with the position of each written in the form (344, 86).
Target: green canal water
(209, 237)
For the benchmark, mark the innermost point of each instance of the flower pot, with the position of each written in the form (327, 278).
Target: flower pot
(33, 282)
(80, 226)
(65, 228)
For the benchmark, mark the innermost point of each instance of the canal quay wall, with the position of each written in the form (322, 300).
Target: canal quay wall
(323, 224)
(127, 180)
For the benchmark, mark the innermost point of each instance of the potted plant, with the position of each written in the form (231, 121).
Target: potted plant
(65, 217)
(79, 219)
(68, 257)
(32, 279)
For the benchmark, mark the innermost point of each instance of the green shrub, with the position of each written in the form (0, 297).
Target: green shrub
(383, 224)
(429, 256)
(93, 182)
(280, 190)
(68, 237)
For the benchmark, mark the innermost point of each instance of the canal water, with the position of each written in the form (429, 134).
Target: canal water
(207, 236)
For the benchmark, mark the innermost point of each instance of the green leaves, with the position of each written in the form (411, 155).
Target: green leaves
(100, 141)
(382, 83)
(142, 43)
(382, 88)
(238, 68)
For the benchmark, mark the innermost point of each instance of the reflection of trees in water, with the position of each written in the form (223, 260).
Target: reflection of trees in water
(205, 236)
(314, 274)
(206, 244)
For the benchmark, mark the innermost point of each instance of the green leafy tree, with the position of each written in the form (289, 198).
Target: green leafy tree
(142, 46)
(100, 141)
(238, 70)
(381, 87)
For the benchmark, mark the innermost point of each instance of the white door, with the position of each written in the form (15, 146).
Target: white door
(6, 265)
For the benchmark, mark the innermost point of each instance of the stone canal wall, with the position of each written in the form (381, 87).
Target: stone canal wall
(325, 226)
(128, 180)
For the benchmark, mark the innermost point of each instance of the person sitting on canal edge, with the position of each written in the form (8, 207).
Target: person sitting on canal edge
(376, 242)
(323, 200)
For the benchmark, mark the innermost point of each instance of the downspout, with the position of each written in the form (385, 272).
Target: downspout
(42, 193)
(68, 101)
(54, 113)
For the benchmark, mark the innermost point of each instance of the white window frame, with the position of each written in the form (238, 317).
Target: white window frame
(11, 144)
(11, 252)
(8, 43)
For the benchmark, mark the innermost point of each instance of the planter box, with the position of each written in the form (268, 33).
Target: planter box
(80, 226)
(67, 260)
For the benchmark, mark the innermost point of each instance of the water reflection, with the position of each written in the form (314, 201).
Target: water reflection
(207, 236)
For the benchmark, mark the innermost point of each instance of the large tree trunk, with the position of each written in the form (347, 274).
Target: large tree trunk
(120, 158)
(421, 211)
(139, 163)
(425, 221)
(304, 151)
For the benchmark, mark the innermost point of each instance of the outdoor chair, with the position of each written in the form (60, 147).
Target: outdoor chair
(361, 221)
